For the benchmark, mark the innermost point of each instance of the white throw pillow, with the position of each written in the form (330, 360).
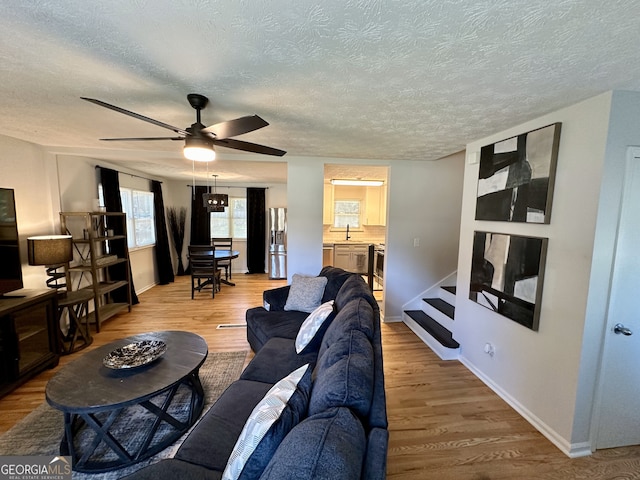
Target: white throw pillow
(265, 414)
(312, 324)
(305, 293)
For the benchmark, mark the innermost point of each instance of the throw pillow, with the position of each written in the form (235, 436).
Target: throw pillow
(311, 325)
(305, 294)
(281, 409)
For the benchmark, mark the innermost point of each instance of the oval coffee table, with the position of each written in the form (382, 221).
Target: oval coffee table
(114, 418)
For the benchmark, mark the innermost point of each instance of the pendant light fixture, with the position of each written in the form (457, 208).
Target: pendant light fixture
(215, 202)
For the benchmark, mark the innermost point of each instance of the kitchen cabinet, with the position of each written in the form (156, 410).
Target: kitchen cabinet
(351, 257)
(376, 206)
(101, 261)
(28, 342)
(373, 203)
(327, 255)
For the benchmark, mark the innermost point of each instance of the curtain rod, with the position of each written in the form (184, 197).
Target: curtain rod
(222, 186)
(131, 174)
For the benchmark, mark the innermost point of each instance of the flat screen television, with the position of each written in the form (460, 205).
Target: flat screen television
(10, 265)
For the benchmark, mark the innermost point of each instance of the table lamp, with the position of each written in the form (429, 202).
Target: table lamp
(53, 251)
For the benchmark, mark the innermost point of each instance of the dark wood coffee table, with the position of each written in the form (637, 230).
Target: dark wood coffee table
(94, 399)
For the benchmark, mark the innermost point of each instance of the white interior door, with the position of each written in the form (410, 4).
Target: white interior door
(619, 410)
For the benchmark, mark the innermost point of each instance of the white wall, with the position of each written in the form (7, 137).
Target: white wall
(424, 203)
(538, 371)
(28, 170)
(305, 191)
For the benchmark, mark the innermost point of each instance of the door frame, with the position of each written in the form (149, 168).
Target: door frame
(633, 155)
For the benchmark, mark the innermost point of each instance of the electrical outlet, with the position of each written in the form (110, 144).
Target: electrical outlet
(489, 349)
(416, 242)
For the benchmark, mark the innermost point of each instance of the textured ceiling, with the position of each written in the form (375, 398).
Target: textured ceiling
(359, 79)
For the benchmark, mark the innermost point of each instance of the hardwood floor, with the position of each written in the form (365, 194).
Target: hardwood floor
(444, 423)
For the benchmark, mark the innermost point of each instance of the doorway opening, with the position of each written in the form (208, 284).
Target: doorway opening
(354, 218)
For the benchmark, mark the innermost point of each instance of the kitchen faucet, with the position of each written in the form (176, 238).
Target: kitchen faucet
(348, 236)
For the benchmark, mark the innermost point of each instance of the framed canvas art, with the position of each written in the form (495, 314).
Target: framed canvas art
(516, 177)
(507, 273)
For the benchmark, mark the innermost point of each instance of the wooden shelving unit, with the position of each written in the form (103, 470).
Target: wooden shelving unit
(100, 243)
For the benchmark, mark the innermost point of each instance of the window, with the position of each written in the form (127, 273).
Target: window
(232, 222)
(346, 212)
(138, 206)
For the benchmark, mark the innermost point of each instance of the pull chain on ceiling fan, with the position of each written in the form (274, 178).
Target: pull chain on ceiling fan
(200, 140)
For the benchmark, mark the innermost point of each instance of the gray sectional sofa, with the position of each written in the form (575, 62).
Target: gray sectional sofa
(336, 425)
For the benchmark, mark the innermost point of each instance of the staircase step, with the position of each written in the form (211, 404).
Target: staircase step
(442, 306)
(436, 330)
(451, 290)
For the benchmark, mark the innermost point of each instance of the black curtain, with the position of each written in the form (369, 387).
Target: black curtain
(256, 229)
(163, 254)
(200, 222)
(113, 203)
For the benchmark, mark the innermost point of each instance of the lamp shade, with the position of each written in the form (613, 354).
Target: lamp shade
(49, 249)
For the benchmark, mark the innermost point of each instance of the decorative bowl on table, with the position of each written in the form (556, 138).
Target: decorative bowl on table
(135, 354)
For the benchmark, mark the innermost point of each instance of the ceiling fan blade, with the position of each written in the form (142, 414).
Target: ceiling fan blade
(248, 147)
(232, 128)
(137, 139)
(136, 115)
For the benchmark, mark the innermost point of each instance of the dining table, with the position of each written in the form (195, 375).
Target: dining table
(225, 255)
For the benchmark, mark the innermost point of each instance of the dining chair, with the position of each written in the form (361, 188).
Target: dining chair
(224, 244)
(203, 269)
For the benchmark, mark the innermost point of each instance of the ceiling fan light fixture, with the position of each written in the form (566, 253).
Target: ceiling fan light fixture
(356, 182)
(199, 149)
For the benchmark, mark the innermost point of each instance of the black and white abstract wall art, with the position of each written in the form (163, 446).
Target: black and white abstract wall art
(516, 178)
(507, 273)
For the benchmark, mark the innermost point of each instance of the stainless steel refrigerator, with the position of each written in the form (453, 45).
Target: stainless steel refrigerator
(278, 243)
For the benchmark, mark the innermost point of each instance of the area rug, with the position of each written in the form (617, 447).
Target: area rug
(40, 432)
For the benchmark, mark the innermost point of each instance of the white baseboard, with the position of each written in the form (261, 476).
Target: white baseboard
(145, 288)
(572, 450)
(394, 319)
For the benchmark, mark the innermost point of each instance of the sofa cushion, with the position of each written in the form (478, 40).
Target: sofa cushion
(344, 376)
(263, 325)
(223, 422)
(327, 446)
(305, 294)
(281, 409)
(357, 314)
(354, 287)
(173, 469)
(313, 328)
(276, 359)
(335, 279)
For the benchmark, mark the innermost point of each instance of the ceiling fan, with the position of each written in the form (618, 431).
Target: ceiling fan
(198, 139)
